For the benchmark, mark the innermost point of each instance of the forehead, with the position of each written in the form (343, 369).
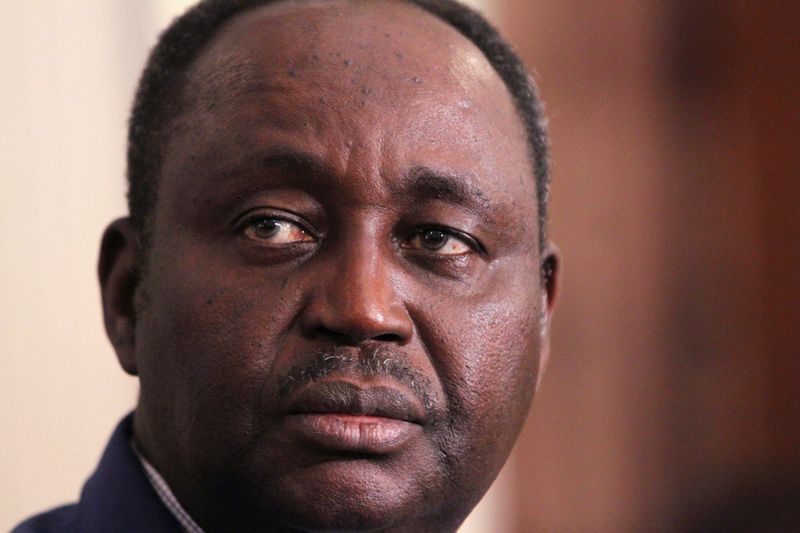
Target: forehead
(380, 79)
(344, 42)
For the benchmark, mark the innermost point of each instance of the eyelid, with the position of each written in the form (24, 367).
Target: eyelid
(260, 213)
(271, 212)
(466, 238)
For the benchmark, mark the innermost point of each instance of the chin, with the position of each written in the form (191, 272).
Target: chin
(356, 494)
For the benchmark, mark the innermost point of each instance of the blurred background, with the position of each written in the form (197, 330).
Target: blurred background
(672, 401)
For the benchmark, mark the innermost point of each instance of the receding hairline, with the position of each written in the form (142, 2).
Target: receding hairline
(208, 68)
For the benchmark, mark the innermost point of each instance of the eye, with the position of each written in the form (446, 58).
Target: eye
(275, 230)
(440, 241)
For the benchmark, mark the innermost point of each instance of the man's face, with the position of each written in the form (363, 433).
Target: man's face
(341, 323)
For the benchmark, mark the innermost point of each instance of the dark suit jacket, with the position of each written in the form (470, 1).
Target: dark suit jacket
(118, 497)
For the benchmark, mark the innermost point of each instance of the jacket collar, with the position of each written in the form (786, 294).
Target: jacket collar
(118, 496)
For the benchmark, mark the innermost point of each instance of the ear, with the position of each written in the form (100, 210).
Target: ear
(550, 277)
(119, 279)
(551, 272)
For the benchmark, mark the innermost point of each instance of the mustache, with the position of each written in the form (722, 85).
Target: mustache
(373, 361)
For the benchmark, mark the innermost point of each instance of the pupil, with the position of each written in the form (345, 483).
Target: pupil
(433, 239)
(267, 228)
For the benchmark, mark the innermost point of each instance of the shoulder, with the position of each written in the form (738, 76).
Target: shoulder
(117, 497)
(60, 520)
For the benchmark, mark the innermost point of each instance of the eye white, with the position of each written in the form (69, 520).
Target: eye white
(276, 231)
(439, 242)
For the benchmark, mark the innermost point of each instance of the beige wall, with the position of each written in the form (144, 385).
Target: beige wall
(69, 70)
(67, 79)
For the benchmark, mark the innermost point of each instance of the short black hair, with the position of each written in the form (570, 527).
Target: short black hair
(159, 98)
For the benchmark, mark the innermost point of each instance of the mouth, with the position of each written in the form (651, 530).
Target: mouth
(340, 416)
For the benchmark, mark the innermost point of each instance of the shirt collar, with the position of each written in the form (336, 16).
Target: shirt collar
(165, 494)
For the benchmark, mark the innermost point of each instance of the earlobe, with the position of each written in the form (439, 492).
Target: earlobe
(119, 279)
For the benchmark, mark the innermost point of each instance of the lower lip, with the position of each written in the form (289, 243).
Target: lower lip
(352, 433)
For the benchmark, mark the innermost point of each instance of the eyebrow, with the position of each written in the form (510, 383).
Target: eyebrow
(421, 184)
(298, 162)
(459, 189)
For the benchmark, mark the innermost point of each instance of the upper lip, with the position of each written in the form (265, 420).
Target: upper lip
(341, 396)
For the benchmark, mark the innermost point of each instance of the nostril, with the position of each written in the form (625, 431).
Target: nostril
(337, 337)
(348, 338)
(388, 337)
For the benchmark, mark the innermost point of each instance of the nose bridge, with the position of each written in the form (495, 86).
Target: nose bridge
(357, 298)
(363, 277)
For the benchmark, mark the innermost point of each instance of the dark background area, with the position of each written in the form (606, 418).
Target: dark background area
(672, 401)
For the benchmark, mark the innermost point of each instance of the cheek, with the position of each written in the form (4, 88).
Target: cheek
(207, 339)
(495, 359)
(486, 351)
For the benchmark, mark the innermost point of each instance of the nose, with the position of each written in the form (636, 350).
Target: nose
(355, 300)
